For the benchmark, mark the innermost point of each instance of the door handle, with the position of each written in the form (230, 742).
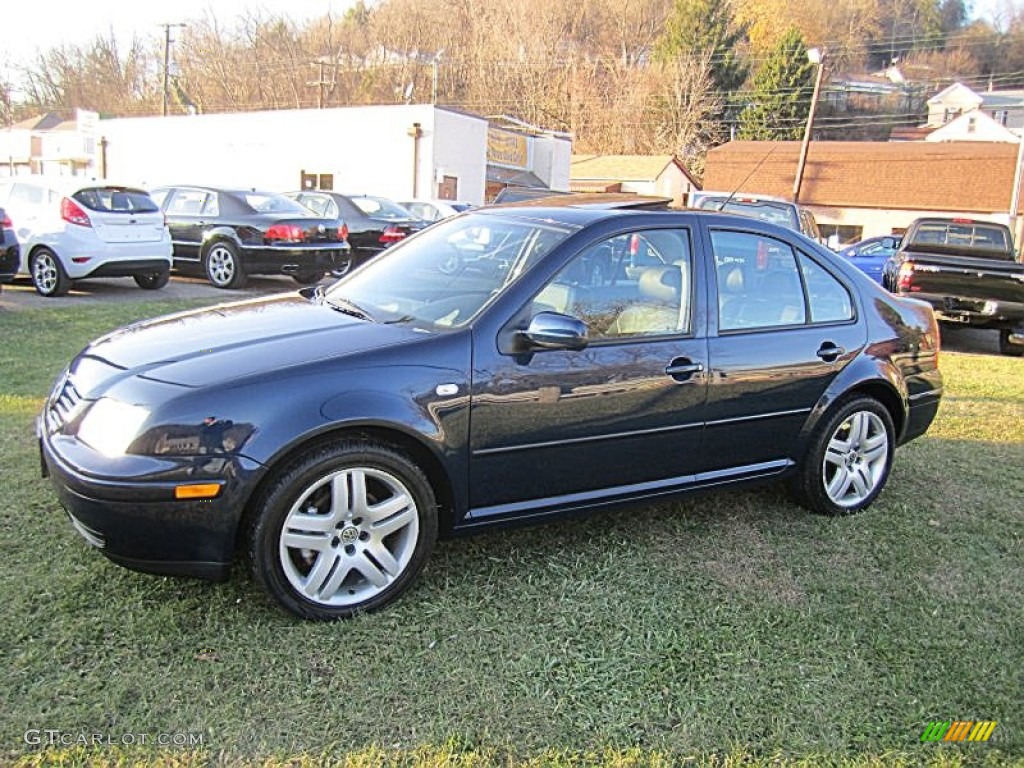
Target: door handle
(682, 369)
(829, 352)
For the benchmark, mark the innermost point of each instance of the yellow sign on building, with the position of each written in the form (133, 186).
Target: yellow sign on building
(508, 149)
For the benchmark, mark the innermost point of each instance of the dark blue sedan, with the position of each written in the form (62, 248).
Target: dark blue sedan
(870, 255)
(582, 358)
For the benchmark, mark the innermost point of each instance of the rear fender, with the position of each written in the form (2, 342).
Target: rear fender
(875, 377)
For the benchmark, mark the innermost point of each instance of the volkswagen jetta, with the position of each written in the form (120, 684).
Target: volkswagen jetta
(330, 436)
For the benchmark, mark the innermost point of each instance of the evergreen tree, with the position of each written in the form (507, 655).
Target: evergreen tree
(698, 28)
(781, 94)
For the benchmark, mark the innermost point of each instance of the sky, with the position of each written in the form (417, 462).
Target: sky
(32, 25)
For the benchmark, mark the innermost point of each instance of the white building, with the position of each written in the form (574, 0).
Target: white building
(397, 151)
(1005, 108)
(49, 145)
(658, 175)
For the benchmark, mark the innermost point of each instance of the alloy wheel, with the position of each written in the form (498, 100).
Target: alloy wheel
(221, 265)
(855, 459)
(44, 272)
(349, 536)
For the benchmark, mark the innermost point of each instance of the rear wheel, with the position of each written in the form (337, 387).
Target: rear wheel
(48, 275)
(152, 281)
(1008, 349)
(343, 529)
(307, 278)
(849, 459)
(223, 267)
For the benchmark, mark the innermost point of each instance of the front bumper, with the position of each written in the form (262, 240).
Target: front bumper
(135, 520)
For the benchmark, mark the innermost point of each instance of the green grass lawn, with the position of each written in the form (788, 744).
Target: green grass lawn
(730, 628)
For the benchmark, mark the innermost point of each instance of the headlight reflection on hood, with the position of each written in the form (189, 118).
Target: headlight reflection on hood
(110, 426)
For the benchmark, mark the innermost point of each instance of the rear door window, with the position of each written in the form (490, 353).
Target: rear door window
(187, 202)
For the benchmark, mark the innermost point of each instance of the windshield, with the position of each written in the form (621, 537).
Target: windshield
(382, 208)
(775, 213)
(445, 275)
(263, 202)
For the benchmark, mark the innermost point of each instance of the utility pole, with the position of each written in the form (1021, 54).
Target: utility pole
(434, 62)
(320, 83)
(1015, 197)
(815, 56)
(167, 59)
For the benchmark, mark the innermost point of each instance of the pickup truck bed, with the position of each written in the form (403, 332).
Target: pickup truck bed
(968, 280)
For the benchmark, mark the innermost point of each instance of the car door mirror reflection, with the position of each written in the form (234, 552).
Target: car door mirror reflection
(553, 330)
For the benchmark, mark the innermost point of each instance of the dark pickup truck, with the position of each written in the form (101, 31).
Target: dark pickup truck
(967, 271)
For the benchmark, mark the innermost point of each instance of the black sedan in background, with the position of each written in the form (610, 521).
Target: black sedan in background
(332, 435)
(10, 252)
(228, 234)
(373, 223)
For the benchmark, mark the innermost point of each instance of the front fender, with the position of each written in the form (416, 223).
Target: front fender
(414, 413)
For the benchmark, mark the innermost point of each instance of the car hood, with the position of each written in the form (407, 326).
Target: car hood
(227, 342)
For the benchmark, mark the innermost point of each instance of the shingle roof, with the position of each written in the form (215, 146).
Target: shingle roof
(618, 167)
(38, 123)
(967, 176)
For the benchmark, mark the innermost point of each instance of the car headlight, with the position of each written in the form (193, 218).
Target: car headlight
(110, 426)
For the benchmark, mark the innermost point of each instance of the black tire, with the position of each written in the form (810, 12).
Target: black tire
(845, 469)
(345, 265)
(222, 265)
(48, 275)
(308, 278)
(1008, 349)
(152, 281)
(353, 563)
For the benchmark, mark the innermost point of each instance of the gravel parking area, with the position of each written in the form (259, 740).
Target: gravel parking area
(21, 295)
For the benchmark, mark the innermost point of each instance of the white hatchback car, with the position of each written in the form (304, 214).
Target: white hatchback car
(72, 228)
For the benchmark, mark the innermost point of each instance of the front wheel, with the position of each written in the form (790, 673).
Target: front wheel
(342, 530)
(153, 281)
(1006, 347)
(849, 459)
(223, 267)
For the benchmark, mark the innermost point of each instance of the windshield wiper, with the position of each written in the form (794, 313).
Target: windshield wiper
(349, 308)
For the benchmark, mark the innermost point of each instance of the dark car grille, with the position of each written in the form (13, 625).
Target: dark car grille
(62, 405)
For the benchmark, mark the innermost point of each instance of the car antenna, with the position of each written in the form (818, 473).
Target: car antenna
(747, 177)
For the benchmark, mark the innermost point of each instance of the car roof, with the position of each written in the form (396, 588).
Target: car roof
(594, 200)
(743, 197)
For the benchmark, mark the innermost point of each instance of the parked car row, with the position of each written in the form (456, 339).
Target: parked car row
(73, 228)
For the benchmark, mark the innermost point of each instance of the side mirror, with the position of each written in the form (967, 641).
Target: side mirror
(552, 330)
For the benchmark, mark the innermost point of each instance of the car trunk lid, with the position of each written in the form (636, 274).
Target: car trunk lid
(121, 214)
